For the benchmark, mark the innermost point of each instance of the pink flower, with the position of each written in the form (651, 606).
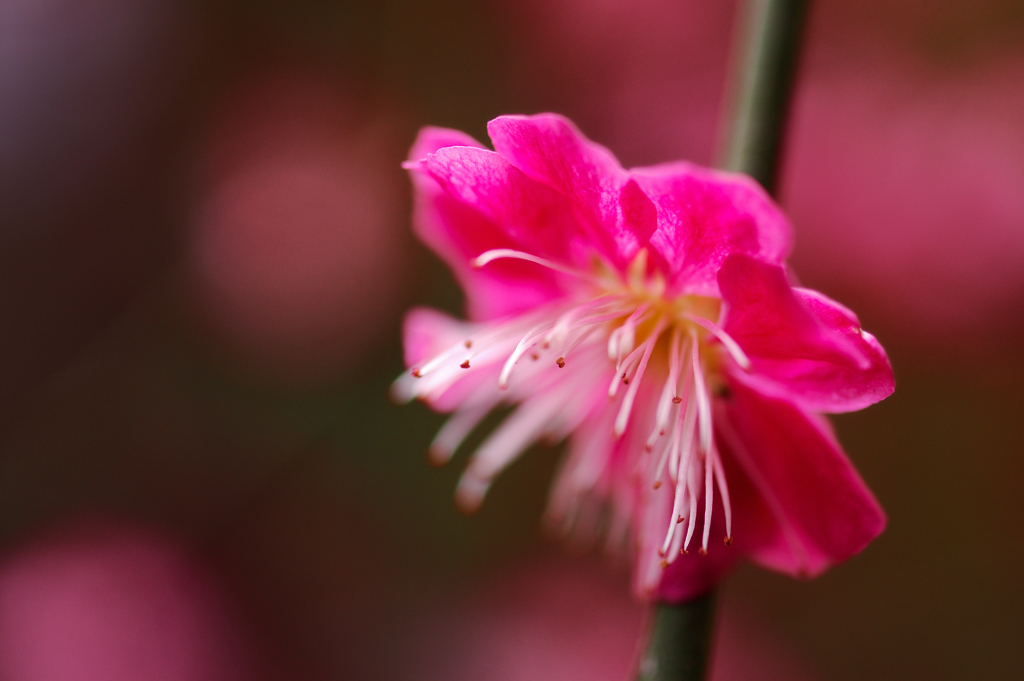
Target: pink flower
(646, 315)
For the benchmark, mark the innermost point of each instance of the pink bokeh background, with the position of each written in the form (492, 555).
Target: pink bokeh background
(206, 254)
(97, 600)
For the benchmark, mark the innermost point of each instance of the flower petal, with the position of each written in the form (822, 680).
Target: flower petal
(531, 216)
(815, 510)
(431, 139)
(829, 386)
(618, 218)
(802, 340)
(458, 231)
(767, 319)
(704, 216)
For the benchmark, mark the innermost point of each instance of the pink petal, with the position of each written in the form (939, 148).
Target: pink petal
(798, 496)
(529, 215)
(458, 231)
(550, 149)
(801, 340)
(431, 139)
(829, 386)
(704, 216)
(768, 320)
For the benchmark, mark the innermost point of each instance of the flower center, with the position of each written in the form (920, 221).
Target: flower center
(675, 339)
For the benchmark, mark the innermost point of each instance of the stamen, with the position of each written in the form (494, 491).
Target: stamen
(666, 452)
(675, 550)
(728, 342)
(709, 497)
(622, 371)
(627, 401)
(525, 344)
(666, 401)
(679, 468)
(670, 449)
(568, 320)
(683, 442)
(438, 360)
(703, 401)
(620, 341)
(453, 432)
(724, 489)
(676, 505)
(587, 331)
(507, 442)
(690, 473)
(499, 253)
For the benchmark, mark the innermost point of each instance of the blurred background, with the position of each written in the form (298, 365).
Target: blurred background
(205, 254)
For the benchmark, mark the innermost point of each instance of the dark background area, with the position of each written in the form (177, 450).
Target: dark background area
(205, 255)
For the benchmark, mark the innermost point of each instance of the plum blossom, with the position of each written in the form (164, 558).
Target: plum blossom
(645, 315)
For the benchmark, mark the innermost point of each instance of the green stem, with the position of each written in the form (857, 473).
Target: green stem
(680, 635)
(764, 81)
(680, 641)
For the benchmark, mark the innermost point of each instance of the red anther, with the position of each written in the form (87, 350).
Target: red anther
(681, 519)
(534, 356)
(416, 373)
(657, 484)
(702, 551)
(664, 564)
(677, 400)
(468, 343)
(728, 541)
(465, 365)
(560, 362)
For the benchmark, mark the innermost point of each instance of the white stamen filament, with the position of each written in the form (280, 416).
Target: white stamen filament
(622, 370)
(728, 342)
(678, 498)
(677, 539)
(709, 496)
(620, 341)
(499, 253)
(627, 401)
(724, 489)
(528, 341)
(568, 320)
(666, 453)
(573, 344)
(690, 482)
(439, 360)
(667, 392)
(687, 428)
(454, 431)
(515, 434)
(703, 402)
